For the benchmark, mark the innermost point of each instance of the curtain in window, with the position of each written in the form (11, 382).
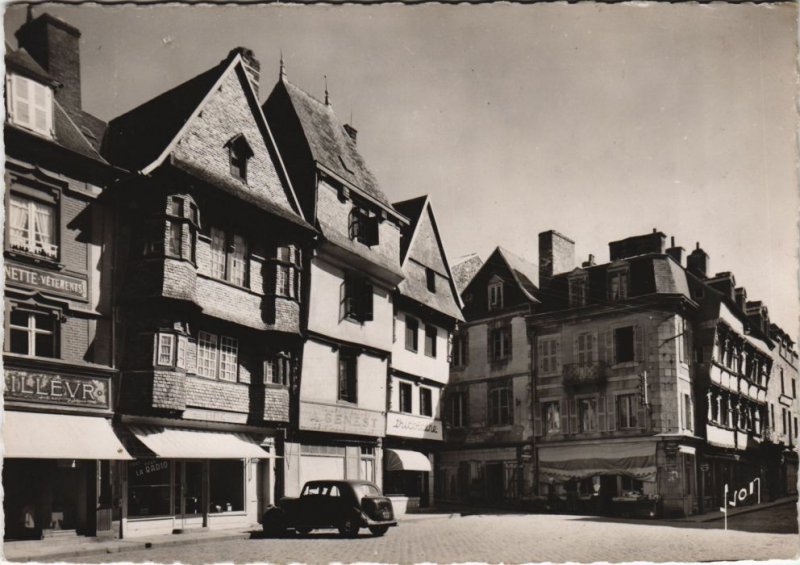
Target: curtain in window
(43, 226)
(19, 220)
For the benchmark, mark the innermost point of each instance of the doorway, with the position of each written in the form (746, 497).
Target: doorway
(189, 496)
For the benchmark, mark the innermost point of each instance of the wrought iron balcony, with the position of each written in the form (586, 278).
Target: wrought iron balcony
(577, 374)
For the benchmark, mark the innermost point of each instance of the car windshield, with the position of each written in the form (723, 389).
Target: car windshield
(364, 489)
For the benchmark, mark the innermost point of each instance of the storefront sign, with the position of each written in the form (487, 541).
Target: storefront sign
(406, 425)
(56, 389)
(58, 283)
(342, 419)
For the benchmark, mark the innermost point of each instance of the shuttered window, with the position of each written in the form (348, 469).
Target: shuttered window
(31, 105)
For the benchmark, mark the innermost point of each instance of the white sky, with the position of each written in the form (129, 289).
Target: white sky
(600, 121)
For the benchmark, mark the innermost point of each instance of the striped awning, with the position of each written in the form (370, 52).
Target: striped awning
(564, 462)
(172, 443)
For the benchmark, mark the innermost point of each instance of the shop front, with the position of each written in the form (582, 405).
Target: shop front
(186, 479)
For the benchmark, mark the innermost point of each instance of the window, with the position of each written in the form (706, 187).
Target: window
(460, 353)
(33, 333)
(500, 405)
(217, 356)
(587, 414)
(355, 299)
(684, 343)
(166, 349)
(31, 105)
(288, 267)
(549, 361)
(585, 349)
(430, 279)
(363, 226)
(794, 388)
(347, 377)
(32, 227)
(149, 485)
(618, 285)
(405, 397)
(412, 325)
(226, 485)
(496, 296)
(551, 412)
(783, 383)
(430, 341)
(627, 409)
(278, 370)
(623, 344)
(174, 237)
(577, 291)
(500, 344)
(458, 409)
(687, 413)
(229, 258)
(238, 153)
(425, 401)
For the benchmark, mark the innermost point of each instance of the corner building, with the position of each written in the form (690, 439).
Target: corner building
(211, 264)
(59, 447)
(340, 423)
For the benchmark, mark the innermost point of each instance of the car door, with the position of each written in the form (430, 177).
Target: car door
(333, 506)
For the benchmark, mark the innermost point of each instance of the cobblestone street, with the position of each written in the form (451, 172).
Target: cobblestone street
(511, 538)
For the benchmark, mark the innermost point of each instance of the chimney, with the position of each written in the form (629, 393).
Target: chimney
(351, 131)
(758, 315)
(251, 65)
(724, 283)
(55, 45)
(589, 262)
(741, 297)
(698, 262)
(676, 252)
(556, 255)
(654, 242)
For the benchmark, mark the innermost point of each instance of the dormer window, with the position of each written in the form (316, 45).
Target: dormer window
(618, 284)
(363, 226)
(30, 105)
(239, 153)
(577, 291)
(496, 295)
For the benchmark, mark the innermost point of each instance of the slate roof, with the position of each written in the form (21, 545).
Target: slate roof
(136, 139)
(524, 272)
(465, 269)
(411, 209)
(330, 144)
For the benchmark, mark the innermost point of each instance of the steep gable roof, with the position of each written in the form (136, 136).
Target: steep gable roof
(329, 143)
(411, 209)
(465, 269)
(524, 272)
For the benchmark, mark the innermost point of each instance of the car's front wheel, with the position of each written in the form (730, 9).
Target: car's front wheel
(378, 530)
(349, 528)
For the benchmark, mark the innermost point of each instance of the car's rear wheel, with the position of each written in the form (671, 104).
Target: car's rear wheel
(303, 531)
(349, 528)
(274, 522)
(378, 530)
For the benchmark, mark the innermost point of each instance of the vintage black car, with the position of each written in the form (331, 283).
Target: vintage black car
(346, 505)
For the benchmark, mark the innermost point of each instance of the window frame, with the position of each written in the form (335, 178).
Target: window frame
(222, 264)
(363, 226)
(458, 406)
(546, 428)
(405, 397)
(460, 349)
(431, 336)
(500, 404)
(592, 401)
(349, 392)
(34, 201)
(621, 276)
(616, 344)
(500, 343)
(356, 298)
(204, 338)
(14, 80)
(425, 401)
(31, 331)
(575, 283)
(630, 422)
(169, 359)
(495, 295)
(288, 271)
(279, 369)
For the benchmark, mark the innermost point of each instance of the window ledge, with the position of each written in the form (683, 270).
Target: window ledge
(276, 386)
(39, 260)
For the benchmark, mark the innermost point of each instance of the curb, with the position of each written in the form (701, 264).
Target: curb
(739, 511)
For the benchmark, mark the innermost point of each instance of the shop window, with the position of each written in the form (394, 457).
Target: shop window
(217, 356)
(348, 378)
(585, 346)
(500, 410)
(630, 485)
(288, 268)
(355, 298)
(149, 487)
(552, 417)
(549, 359)
(430, 340)
(577, 291)
(496, 295)
(226, 485)
(239, 152)
(425, 401)
(500, 343)
(278, 370)
(32, 227)
(412, 339)
(623, 344)
(430, 279)
(363, 226)
(33, 333)
(404, 390)
(587, 414)
(458, 409)
(31, 105)
(229, 257)
(627, 409)
(460, 351)
(618, 285)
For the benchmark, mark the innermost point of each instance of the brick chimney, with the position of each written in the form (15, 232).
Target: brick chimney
(741, 297)
(676, 252)
(55, 45)
(758, 315)
(556, 255)
(724, 283)
(351, 131)
(589, 262)
(698, 262)
(251, 65)
(654, 242)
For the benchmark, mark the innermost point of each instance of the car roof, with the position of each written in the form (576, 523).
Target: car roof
(342, 482)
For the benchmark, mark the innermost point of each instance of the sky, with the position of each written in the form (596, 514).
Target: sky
(599, 121)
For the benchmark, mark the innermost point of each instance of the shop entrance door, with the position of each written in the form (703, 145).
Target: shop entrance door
(189, 495)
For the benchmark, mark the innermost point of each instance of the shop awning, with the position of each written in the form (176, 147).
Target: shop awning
(406, 460)
(195, 444)
(637, 460)
(33, 435)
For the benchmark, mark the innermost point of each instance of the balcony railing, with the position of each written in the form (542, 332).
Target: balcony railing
(576, 374)
(41, 248)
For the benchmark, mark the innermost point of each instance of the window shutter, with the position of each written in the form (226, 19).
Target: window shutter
(343, 310)
(609, 349)
(372, 233)
(638, 343)
(540, 356)
(563, 413)
(595, 353)
(366, 301)
(537, 419)
(611, 416)
(601, 413)
(573, 416)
